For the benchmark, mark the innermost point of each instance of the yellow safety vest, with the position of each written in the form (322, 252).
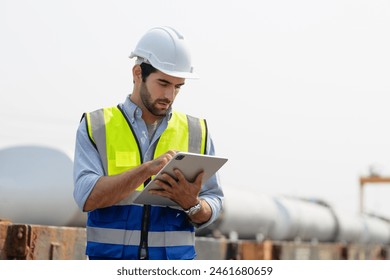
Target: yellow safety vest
(118, 146)
(171, 234)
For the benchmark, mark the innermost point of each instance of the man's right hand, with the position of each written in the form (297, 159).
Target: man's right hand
(157, 164)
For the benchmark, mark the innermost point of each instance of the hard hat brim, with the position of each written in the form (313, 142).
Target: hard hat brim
(184, 75)
(177, 74)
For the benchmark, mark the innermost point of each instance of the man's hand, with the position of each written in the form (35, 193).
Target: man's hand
(157, 164)
(109, 190)
(182, 191)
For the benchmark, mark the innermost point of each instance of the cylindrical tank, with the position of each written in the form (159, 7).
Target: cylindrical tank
(376, 231)
(303, 220)
(250, 215)
(36, 187)
(350, 227)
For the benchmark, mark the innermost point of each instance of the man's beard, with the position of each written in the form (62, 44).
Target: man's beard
(150, 104)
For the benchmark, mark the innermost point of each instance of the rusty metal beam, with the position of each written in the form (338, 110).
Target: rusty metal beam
(369, 180)
(38, 242)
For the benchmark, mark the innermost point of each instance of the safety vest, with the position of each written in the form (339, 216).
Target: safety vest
(119, 231)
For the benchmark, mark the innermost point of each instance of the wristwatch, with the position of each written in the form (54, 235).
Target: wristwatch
(194, 209)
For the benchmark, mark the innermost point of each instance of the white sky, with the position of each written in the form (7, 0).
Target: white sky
(295, 92)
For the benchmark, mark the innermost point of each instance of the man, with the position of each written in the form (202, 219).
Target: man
(118, 150)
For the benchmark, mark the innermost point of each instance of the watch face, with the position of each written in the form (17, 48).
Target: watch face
(193, 210)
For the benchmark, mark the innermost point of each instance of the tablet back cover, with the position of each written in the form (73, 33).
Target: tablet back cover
(190, 165)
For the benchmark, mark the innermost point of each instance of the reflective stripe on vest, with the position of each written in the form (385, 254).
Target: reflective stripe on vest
(119, 151)
(132, 237)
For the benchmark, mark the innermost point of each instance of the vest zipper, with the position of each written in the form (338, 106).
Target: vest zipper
(143, 252)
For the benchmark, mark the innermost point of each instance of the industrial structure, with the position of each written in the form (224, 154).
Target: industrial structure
(40, 220)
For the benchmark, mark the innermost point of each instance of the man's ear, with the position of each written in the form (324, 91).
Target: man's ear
(137, 73)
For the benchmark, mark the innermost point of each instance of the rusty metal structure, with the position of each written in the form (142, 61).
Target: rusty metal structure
(368, 180)
(38, 242)
(40, 221)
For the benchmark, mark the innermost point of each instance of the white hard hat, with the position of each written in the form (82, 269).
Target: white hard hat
(164, 48)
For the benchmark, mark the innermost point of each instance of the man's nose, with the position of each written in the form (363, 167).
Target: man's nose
(170, 92)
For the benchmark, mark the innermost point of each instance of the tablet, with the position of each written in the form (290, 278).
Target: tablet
(190, 165)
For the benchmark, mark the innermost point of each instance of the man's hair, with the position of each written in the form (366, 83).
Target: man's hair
(147, 69)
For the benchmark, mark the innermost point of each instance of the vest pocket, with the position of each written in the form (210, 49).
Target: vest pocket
(176, 220)
(103, 220)
(124, 159)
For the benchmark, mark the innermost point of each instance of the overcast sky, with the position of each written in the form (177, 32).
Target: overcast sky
(296, 93)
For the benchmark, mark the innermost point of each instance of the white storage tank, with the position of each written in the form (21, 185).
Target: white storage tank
(248, 214)
(376, 230)
(36, 187)
(303, 220)
(350, 227)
